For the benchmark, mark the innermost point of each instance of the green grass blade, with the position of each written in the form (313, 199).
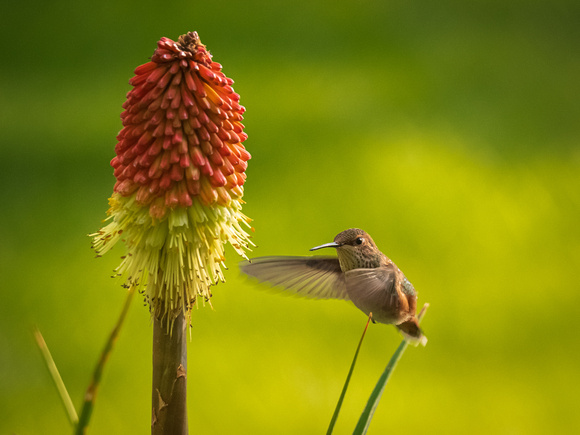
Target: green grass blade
(55, 375)
(367, 414)
(343, 393)
(91, 392)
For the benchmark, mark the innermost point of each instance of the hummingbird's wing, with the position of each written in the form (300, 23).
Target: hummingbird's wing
(373, 289)
(312, 277)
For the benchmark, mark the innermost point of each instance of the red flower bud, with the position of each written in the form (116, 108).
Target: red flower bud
(181, 102)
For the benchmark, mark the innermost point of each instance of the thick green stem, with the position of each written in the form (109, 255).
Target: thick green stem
(169, 411)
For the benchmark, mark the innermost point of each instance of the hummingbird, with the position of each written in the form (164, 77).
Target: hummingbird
(360, 273)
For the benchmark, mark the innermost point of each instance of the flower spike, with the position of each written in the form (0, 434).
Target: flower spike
(180, 169)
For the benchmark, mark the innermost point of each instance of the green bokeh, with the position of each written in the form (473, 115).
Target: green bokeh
(448, 130)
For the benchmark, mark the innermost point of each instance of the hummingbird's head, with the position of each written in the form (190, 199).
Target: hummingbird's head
(355, 249)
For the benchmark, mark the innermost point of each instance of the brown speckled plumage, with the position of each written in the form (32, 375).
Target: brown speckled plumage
(361, 273)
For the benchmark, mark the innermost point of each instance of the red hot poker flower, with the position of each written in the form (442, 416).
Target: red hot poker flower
(182, 135)
(180, 169)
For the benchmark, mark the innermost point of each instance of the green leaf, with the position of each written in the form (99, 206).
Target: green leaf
(55, 375)
(343, 393)
(367, 414)
(91, 393)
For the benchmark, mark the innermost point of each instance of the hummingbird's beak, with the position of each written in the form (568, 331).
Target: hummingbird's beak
(326, 245)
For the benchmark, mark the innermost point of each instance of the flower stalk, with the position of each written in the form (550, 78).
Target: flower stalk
(169, 389)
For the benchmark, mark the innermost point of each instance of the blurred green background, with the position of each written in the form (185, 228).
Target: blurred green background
(448, 130)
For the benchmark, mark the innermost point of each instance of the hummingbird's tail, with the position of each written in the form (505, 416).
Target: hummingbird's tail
(412, 333)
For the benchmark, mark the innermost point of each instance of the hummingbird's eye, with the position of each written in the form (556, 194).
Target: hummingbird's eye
(359, 240)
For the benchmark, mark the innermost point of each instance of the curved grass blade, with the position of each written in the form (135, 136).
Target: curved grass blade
(91, 392)
(55, 375)
(343, 393)
(367, 414)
